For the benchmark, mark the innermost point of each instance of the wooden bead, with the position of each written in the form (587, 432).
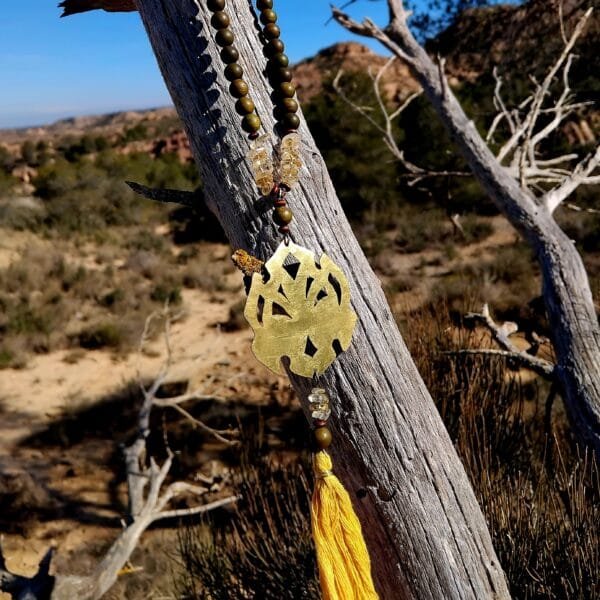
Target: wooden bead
(264, 4)
(215, 5)
(279, 60)
(282, 215)
(224, 37)
(287, 89)
(233, 71)
(251, 123)
(274, 47)
(284, 229)
(284, 74)
(268, 16)
(271, 31)
(323, 437)
(220, 20)
(238, 88)
(289, 105)
(290, 121)
(230, 55)
(244, 106)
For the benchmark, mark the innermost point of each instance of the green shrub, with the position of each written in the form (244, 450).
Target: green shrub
(102, 335)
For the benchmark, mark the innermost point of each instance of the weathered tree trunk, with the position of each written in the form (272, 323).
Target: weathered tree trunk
(570, 307)
(426, 534)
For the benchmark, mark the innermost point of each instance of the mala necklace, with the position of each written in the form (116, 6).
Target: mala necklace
(298, 305)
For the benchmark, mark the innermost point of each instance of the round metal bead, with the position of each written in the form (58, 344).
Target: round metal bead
(233, 71)
(287, 89)
(274, 47)
(220, 20)
(238, 88)
(323, 437)
(279, 60)
(264, 4)
(224, 37)
(290, 121)
(282, 215)
(272, 31)
(215, 5)
(289, 105)
(268, 16)
(244, 106)
(229, 55)
(251, 123)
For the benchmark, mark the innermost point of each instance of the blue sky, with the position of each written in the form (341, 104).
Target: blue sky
(51, 68)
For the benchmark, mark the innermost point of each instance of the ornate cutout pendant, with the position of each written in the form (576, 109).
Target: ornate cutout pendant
(299, 308)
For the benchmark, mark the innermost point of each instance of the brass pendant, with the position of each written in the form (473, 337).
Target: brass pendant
(300, 308)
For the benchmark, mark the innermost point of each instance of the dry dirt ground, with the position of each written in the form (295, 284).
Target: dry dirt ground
(64, 468)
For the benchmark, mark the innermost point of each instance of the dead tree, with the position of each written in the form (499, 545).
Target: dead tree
(511, 179)
(424, 528)
(149, 498)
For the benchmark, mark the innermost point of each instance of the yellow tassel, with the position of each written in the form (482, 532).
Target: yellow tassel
(344, 564)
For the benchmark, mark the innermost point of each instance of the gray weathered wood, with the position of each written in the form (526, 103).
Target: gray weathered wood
(424, 528)
(568, 298)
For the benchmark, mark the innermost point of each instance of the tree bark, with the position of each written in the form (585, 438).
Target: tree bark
(425, 531)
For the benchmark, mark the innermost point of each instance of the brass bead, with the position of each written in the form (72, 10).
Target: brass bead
(229, 55)
(282, 215)
(238, 88)
(220, 20)
(244, 106)
(289, 105)
(224, 37)
(287, 89)
(233, 71)
(268, 16)
(271, 31)
(279, 60)
(323, 437)
(290, 121)
(274, 47)
(215, 5)
(251, 123)
(264, 4)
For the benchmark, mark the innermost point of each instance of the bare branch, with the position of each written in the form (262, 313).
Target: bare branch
(501, 334)
(522, 358)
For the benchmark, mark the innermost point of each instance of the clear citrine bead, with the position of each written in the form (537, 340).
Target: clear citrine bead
(319, 404)
(290, 162)
(261, 162)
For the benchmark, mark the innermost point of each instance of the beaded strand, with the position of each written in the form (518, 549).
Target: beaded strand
(279, 76)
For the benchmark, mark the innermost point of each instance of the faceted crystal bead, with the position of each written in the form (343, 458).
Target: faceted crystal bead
(319, 404)
(261, 162)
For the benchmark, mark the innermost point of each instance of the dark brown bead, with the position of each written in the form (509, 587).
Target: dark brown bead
(251, 123)
(220, 20)
(280, 202)
(287, 89)
(282, 215)
(274, 47)
(238, 88)
(253, 136)
(230, 55)
(319, 423)
(279, 60)
(290, 121)
(284, 229)
(268, 16)
(244, 106)
(215, 5)
(284, 74)
(289, 105)
(224, 37)
(233, 71)
(323, 437)
(271, 31)
(264, 4)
